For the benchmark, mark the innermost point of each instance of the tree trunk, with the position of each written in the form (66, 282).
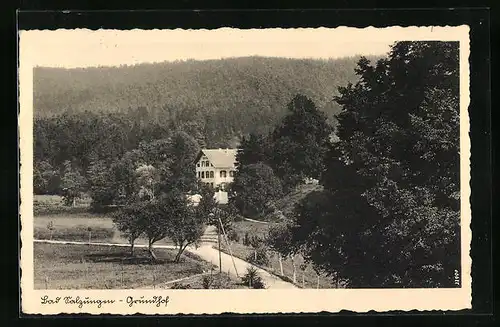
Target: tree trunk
(150, 249)
(281, 264)
(132, 243)
(179, 253)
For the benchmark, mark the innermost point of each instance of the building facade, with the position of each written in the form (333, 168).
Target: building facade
(216, 167)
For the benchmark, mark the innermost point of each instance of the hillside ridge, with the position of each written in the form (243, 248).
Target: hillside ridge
(228, 84)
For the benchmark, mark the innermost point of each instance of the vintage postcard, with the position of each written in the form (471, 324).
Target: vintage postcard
(244, 171)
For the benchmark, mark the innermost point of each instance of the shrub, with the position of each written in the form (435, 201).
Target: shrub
(180, 286)
(256, 241)
(207, 281)
(259, 256)
(246, 239)
(221, 281)
(234, 236)
(252, 278)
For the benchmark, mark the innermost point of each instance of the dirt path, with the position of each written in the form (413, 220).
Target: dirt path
(207, 253)
(256, 221)
(104, 244)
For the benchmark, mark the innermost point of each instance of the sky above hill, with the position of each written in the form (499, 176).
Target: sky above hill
(86, 48)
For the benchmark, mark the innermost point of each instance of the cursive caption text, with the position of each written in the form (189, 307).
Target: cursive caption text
(80, 302)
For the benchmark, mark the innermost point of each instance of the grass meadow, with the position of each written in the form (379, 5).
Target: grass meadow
(60, 266)
(57, 222)
(54, 221)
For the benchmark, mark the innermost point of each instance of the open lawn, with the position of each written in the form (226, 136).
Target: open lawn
(52, 204)
(252, 228)
(75, 227)
(243, 252)
(58, 266)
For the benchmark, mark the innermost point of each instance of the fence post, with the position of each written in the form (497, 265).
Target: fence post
(121, 270)
(317, 284)
(226, 238)
(303, 281)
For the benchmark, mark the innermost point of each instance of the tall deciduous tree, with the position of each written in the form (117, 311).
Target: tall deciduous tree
(100, 182)
(254, 189)
(46, 179)
(300, 142)
(253, 149)
(389, 215)
(124, 177)
(130, 220)
(152, 221)
(183, 150)
(73, 184)
(147, 178)
(184, 224)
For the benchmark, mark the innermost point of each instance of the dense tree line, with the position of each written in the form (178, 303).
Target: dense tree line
(178, 90)
(216, 101)
(272, 164)
(390, 212)
(96, 115)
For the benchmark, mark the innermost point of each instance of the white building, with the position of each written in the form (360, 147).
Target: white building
(216, 167)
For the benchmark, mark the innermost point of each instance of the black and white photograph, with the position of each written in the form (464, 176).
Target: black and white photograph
(239, 167)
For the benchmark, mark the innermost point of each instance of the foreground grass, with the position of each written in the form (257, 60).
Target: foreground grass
(106, 267)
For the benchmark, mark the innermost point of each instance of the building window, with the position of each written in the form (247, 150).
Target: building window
(198, 164)
(223, 186)
(223, 174)
(212, 184)
(202, 174)
(231, 173)
(207, 164)
(211, 174)
(199, 174)
(203, 163)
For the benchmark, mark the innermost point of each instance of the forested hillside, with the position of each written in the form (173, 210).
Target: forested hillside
(230, 96)
(102, 112)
